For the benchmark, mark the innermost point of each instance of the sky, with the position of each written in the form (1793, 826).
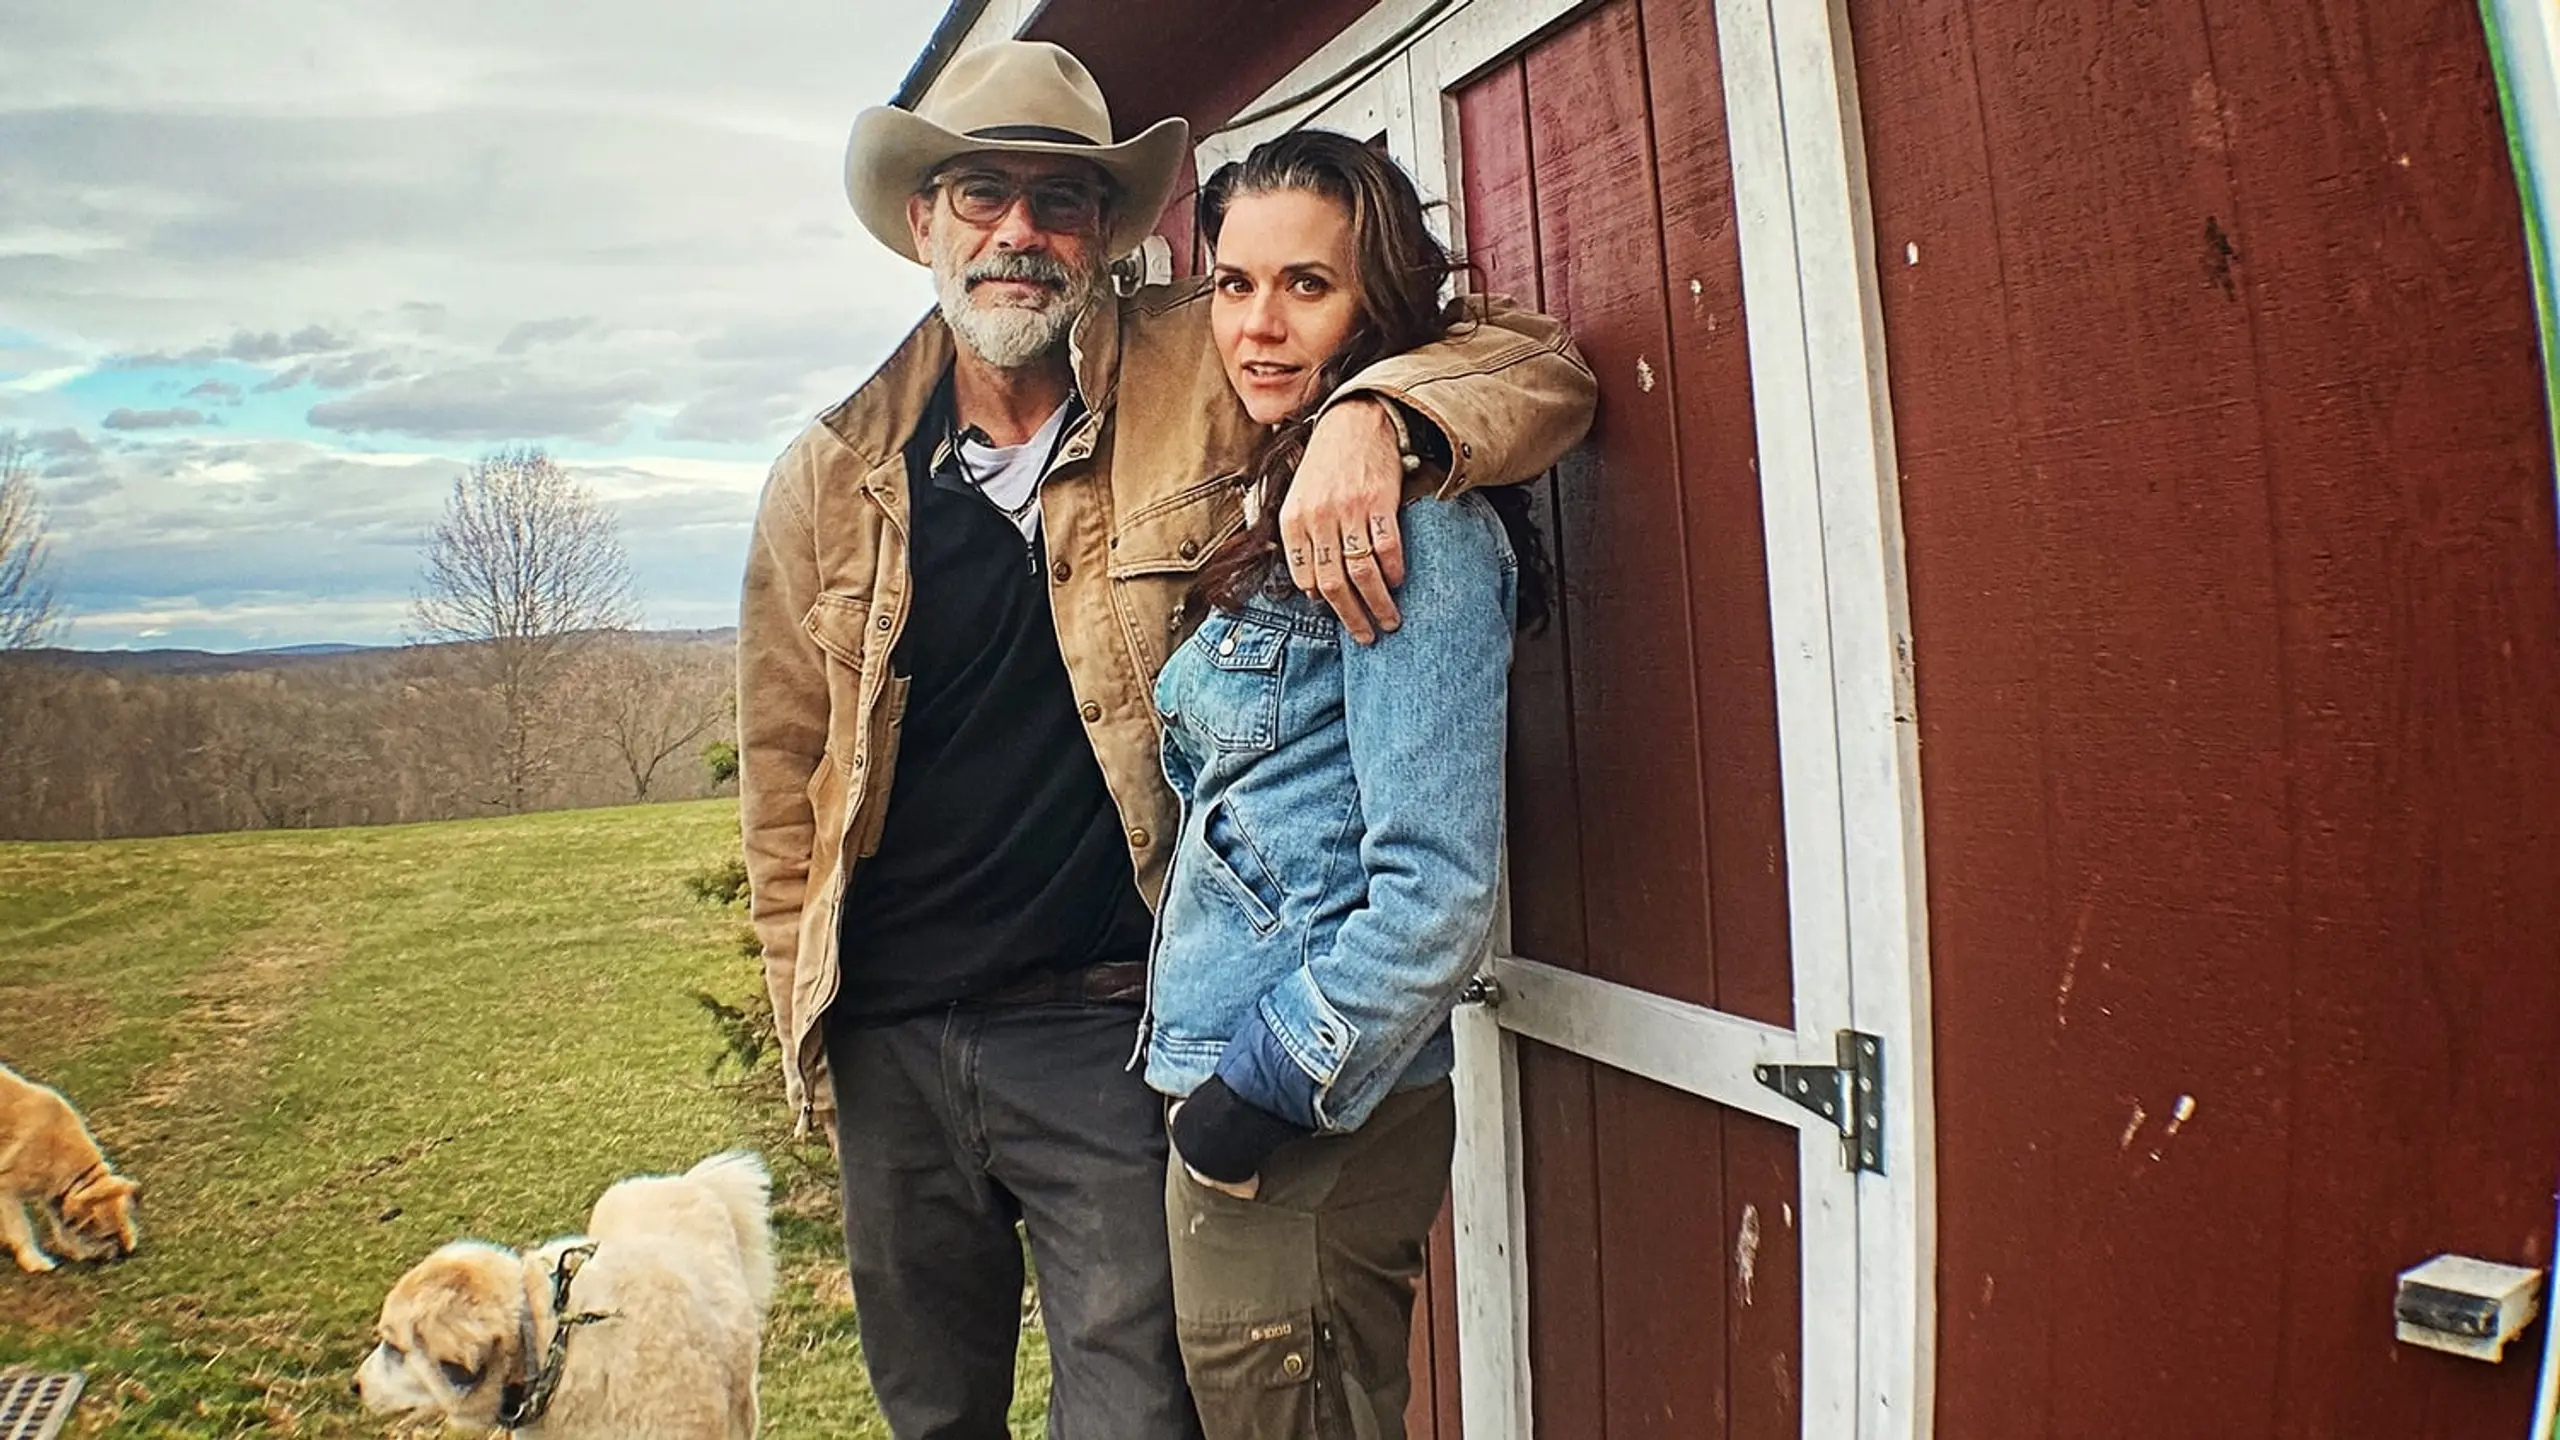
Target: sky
(272, 276)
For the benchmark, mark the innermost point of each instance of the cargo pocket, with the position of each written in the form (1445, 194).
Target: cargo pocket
(1261, 1379)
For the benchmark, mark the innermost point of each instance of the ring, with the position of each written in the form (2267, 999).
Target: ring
(1354, 547)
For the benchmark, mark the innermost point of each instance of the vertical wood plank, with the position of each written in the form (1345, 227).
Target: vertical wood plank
(1753, 965)
(1559, 1189)
(1502, 243)
(1710, 382)
(1567, 1341)
(1445, 1419)
(1422, 1353)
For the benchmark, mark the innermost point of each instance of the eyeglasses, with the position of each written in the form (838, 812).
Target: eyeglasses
(1058, 204)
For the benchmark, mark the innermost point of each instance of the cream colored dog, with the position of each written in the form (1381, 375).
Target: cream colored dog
(647, 1327)
(48, 1160)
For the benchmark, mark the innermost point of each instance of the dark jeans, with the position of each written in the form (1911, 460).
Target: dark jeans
(953, 1126)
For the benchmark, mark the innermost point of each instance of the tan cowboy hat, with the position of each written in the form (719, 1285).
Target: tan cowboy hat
(1020, 97)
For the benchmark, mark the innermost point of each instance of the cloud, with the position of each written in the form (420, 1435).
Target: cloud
(123, 418)
(63, 446)
(491, 402)
(337, 372)
(256, 349)
(544, 332)
(222, 390)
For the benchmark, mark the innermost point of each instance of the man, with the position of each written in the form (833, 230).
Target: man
(963, 581)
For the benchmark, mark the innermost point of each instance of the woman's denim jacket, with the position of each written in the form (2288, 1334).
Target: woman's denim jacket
(1333, 881)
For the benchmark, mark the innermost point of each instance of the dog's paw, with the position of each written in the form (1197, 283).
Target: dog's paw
(36, 1262)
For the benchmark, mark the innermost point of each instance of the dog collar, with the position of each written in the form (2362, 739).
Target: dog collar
(522, 1403)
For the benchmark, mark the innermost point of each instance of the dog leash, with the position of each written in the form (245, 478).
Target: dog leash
(523, 1403)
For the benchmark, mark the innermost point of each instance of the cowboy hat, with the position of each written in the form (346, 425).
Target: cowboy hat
(1018, 97)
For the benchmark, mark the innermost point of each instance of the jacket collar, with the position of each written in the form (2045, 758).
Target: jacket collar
(1093, 352)
(876, 421)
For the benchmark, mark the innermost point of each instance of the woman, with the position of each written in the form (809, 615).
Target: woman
(1333, 883)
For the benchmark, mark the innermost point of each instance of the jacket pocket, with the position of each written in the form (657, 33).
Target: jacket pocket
(1237, 701)
(837, 624)
(1237, 869)
(1174, 535)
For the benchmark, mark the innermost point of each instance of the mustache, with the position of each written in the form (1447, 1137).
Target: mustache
(1033, 269)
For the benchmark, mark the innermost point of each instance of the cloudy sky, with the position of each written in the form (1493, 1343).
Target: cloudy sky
(271, 276)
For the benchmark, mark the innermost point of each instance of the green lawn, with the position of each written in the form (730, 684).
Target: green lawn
(326, 1052)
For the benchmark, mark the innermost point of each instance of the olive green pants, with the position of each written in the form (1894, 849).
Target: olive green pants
(1295, 1308)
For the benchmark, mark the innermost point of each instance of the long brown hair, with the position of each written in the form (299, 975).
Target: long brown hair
(1399, 267)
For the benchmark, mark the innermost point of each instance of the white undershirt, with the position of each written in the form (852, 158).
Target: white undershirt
(1007, 474)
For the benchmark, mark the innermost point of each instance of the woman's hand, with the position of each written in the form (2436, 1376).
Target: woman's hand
(1338, 526)
(1245, 1189)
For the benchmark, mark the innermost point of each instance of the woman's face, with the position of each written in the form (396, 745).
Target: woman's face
(1282, 301)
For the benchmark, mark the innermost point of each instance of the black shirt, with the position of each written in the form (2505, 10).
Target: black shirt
(1002, 855)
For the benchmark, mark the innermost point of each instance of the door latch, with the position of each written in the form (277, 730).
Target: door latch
(1850, 1095)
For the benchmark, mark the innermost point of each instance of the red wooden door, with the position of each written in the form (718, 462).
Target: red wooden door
(1648, 840)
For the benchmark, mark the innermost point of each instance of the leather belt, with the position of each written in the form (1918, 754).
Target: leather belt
(1119, 982)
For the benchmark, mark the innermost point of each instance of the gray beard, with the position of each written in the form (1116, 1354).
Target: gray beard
(1009, 337)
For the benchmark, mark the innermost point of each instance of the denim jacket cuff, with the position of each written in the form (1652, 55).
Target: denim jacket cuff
(1286, 1063)
(1260, 1070)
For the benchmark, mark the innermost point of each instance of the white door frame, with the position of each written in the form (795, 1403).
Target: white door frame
(1848, 755)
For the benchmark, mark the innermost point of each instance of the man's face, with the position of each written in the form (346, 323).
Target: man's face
(1015, 243)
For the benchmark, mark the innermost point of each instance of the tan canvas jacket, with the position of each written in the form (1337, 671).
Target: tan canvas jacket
(1141, 493)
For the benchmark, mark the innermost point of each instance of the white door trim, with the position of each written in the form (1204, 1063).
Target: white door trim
(1848, 755)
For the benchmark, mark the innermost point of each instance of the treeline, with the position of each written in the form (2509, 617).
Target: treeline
(91, 750)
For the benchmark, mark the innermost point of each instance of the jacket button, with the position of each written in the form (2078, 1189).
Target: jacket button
(1190, 549)
(1138, 837)
(1090, 710)
(1059, 571)
(1227, 646)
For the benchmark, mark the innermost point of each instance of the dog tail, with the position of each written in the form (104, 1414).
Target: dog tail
(744, 1188)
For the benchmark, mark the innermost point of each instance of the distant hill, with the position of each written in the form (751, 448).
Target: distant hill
(223, 662)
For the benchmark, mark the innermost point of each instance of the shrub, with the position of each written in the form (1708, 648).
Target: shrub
(722, 884)
(747, 1032)
(720, 757)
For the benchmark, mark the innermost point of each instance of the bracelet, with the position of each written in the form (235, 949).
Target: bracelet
(1404, 435)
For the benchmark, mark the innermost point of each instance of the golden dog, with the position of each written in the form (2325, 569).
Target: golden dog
(647, 1327)
(48, 1160)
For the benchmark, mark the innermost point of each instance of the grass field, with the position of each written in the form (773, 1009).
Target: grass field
(326, 1052)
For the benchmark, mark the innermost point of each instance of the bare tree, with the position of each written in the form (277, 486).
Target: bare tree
(648, 700)
(525, 570)
(27, 606)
